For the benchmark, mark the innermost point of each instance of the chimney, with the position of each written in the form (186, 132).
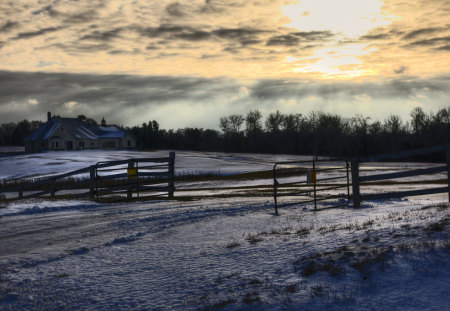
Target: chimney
(49, 116)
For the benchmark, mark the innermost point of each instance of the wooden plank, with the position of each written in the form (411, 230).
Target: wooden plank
(112, 176)
(153, 160)
(432, 170)
(160, 189)
(35, 195)
(155, 174)
(111, 163)
(410, 193)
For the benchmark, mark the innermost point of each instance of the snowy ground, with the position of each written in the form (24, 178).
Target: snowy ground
(214, 254)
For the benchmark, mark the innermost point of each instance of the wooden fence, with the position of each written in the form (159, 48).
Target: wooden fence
(357, 180)
(138, 177)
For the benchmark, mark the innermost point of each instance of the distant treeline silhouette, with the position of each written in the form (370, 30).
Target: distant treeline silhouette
(316, 133)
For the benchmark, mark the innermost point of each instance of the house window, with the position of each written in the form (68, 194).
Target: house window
(57, 144)
(129, 143)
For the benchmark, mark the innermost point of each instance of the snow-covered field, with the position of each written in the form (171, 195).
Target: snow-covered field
(213, 254)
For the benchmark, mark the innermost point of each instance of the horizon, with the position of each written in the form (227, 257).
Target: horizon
(189, 64)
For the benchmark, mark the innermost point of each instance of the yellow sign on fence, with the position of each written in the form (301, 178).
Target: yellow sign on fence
(132, 172)
(311, 177)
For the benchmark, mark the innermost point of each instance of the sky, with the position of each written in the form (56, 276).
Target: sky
(188, 63)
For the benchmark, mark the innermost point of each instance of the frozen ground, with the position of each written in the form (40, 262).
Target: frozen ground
(215, 254)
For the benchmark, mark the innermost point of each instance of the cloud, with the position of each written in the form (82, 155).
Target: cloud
(421, 32)
(431, 42)
(103, 36)
(400, 70)
(296, 38)
(40, 32)
(131, 100)
(8, 26)
(175, 9)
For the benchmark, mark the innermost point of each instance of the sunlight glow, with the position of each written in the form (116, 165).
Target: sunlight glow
(330, 61)
(350, 18)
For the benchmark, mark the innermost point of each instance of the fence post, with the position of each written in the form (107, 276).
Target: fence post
(355, 184)
(21, 190)
(275, 186)
(171, 181)
(52, 187)
(92, 181)
(130, 185)
(313, 179)
(447, 155)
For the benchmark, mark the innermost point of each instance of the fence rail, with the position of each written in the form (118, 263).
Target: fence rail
(139, 177)
(357, 179)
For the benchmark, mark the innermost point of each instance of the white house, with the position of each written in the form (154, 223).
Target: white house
(75, 134)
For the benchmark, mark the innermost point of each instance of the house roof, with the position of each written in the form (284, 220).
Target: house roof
(76, 127)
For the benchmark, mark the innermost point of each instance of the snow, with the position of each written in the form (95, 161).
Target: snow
(212, 254)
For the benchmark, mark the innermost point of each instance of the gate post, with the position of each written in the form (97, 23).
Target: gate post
(92, 181)
(447, 155)
(275, 185)
(171, 181)
(130, 185)
(355, 184)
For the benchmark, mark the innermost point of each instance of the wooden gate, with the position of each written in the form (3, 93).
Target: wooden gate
(310, 182)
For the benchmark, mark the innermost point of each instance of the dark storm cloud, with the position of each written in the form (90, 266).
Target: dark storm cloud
(114, 94)
(53, 89)
(401, 88)
(40, 32)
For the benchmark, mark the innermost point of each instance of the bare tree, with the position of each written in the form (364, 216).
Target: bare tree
(253, 121)
(236, 121)
(274, 121)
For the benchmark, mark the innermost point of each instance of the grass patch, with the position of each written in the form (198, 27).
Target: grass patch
(233, 244)
(254, 238)
(250, 298)
(62, 275)
(221, 304)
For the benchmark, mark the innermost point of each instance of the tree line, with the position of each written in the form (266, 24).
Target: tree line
(315, 133)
